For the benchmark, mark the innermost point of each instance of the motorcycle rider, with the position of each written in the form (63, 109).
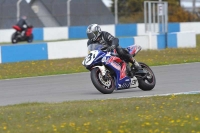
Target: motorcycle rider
(95, 35)
(22, 24)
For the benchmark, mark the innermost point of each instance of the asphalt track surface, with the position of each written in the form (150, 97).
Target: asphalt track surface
(69, 87)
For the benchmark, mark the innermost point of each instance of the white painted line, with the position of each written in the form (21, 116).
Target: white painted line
(167, 94)
(0, 55)
(176, 64)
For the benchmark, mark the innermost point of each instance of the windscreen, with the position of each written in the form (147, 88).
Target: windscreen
(95, 46)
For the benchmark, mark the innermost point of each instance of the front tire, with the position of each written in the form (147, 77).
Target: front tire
(149, 82)
(14, 38)
(104, 86)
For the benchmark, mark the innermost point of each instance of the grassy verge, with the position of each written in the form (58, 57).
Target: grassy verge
(65, 66)
(166, 114)
(35, 42)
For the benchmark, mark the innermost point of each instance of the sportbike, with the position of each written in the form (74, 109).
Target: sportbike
(109, 72)
(20, 35)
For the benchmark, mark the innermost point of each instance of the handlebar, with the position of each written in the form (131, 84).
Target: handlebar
(104, 48)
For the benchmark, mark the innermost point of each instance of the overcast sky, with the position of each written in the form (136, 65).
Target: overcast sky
(106, 2)
(185, 4)
(190, 4)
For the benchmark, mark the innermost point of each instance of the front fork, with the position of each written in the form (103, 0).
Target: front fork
(102, 69)
(103, 72)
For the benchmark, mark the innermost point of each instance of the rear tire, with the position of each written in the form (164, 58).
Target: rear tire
(105, 87)
(30, 38)
(149, 82)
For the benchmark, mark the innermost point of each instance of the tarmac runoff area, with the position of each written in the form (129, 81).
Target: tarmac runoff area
(170, 79)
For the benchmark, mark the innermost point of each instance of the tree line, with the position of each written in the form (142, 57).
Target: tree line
(133, 11)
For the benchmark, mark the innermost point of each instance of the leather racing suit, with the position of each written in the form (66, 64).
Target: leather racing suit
(107, 39)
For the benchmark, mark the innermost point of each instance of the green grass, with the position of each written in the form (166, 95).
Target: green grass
(39, 68)
(65, 66)
(35, 42)
(161, 114)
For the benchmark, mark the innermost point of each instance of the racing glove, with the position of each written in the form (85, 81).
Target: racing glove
(111, 48)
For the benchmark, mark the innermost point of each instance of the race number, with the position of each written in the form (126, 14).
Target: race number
(88, 58)
(91, 56)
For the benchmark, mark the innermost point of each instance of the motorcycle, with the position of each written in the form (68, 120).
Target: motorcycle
(20, 35)
(109, 72)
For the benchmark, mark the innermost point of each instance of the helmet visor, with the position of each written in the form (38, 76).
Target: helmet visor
(91, 36)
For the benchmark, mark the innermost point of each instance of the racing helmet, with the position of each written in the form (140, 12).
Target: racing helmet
(24, 17)
(93, 32)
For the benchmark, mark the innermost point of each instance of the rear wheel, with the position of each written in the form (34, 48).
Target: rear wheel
(102, 84)
(14, 38)
(30, 38)
(147, 82)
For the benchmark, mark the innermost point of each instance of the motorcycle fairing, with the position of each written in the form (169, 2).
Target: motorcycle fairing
(94, 57)
(119, 66)
(16, 28)
(29, 31)
(134, 49)
(98, 57)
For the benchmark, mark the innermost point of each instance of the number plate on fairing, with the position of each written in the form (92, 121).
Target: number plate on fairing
(134, 82)
(90, 58)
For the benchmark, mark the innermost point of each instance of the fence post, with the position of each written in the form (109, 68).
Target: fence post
(116, 12)
(68, 13)
(18, 9)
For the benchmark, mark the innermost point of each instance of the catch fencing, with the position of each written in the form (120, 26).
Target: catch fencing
(54, 13)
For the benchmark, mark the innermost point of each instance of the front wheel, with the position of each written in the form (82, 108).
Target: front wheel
(148, 81)
(104, 85)
(14, 38)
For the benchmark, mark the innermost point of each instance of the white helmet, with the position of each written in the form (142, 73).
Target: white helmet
(93, 32)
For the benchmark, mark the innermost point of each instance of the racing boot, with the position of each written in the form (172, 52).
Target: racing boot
(23, 33)
(135, 65)
(129, 71)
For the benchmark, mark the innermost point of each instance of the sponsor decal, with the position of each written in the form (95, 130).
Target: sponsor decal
(123, 71)
(110, 60)
(115, 65)
(133, 50)
(104, 59)
(127, 80)
(114, 62)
